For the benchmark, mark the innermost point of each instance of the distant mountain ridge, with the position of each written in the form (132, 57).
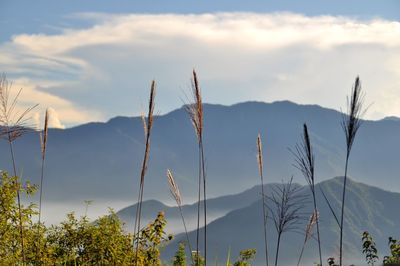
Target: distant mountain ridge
(368, 209)
(102, 160)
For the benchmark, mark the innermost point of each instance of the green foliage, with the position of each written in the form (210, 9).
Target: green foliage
(198, 260)
(10, 240)
(180, 256)
(245, 256)
(99, 243)
(228, 259)
(394, 257)
(74, 241)
(369, 249)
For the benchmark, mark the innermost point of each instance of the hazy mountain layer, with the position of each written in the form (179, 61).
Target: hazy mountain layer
(367, 209)
(102, 160)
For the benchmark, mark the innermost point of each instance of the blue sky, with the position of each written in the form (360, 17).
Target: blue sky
(92, 60)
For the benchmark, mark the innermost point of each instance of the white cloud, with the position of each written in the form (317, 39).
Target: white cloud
(67, 111)
(54, 120)
(105, 70)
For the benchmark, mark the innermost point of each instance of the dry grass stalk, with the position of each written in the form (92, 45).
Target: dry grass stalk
(351, 123)
(309, 232)
(174, 189)
(44, 134)
(260, 169)
(14, 124)
(195, 111)
(286, 203)
(43, 147)
(147, 130)
(305, 162)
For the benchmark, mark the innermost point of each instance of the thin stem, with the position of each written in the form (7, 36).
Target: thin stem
(147, 129)
(186, 232)
(198, 209)
(277, 249)
(317, 222)
(301, 253)
(342, 212)
(40, 208)
(18, 198)
(41, 189)
(205, 201)
(260, 164)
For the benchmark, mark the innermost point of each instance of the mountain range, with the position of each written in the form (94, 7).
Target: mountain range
(239, 225)
(103, 160)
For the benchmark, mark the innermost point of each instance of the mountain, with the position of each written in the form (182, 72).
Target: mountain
(216, 208)
(103, 160)
(368, 209)
(392, 118)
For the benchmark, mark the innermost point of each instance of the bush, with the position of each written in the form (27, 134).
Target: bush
(74, 241)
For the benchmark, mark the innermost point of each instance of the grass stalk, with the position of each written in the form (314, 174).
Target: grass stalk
(195, 111)
(175, 192)
(285, 206)
(350, 124)
(147, 132)
(43, 148)
(305, 162)
(260, 169)
(308, 233)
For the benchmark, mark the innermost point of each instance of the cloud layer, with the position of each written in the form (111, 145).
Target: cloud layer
(105, 70)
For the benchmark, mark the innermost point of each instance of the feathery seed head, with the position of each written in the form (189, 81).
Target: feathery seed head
(351, 121)
(174, 189)
(44, 134)
(313, 220)
(304, 156)
(259, 154)
(195, 109)
(13, 123)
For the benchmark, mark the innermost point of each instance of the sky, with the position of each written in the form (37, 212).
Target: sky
(95, 59)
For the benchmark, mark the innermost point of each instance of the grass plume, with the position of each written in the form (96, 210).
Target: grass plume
(305, 162)
(147, 131)
(309, 232)
(174, 189)
(43, 147)
(265, 214)
(351, 122)
(195, 111)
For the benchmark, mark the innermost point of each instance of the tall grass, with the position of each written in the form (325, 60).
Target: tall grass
(147, 125)
(43, 147)
(286, 210)
(14, 124)
(308, 233)
(265, 214)
(351, 123)
(195, 111)
(176, 194)
(305, 162)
